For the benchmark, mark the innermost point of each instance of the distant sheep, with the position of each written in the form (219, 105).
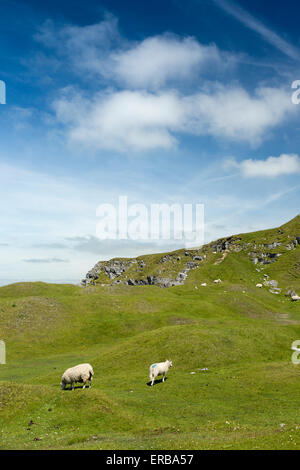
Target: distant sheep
(217, 281)
(160, 368)
(80, 373)
(259, 285)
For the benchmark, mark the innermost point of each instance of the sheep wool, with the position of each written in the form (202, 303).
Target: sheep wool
(160, 368)
(80, 373)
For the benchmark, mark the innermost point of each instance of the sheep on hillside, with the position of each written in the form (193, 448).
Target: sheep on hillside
(160, 368)
(80, 373)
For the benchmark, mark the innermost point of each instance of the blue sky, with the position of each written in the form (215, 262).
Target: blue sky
(165, 102)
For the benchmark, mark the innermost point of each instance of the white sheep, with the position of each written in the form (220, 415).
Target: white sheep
(80, 373)
(160, 368)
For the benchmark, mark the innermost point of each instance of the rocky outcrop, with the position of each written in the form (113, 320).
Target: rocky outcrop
(263, 258)
(112, 269)
(164, 281)
(115, 269)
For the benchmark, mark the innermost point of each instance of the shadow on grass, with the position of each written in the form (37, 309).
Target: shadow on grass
(75, 387)
(156, 382)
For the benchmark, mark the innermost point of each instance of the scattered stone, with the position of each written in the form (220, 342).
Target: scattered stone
(275, 290)
(291, 293)
(271, 283)
(191, 265)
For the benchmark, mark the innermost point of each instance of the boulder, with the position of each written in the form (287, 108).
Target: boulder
(291, 293)
(275, 290)
(271, 283)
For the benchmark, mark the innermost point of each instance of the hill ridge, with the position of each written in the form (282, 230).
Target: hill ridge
(173, 268)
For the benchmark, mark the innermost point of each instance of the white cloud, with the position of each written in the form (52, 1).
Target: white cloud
(158, 59)
(272, 167)
(100, 51)
(85, 49)
(140, 120)
(121, 120)
(45, 260)
(234, 114)
(144, 103)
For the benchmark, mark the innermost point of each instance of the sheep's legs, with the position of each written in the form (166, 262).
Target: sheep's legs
(72, 385)
(83, 385)
(152, 382)
(164, 376)
(91, 382)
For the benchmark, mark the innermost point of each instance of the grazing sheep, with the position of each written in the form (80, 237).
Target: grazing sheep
(80, 373)
(295, 297)
(217, 281)
(259, 285)
(160, 368)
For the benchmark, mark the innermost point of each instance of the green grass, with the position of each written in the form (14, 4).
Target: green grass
(248, 398)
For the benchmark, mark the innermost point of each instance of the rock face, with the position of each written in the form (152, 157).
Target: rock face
(115, 269)
(112, 269)
(264, 258)
(224, 244)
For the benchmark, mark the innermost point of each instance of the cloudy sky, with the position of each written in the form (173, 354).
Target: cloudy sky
(164, 102)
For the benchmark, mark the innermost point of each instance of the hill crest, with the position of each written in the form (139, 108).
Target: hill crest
(261, 248)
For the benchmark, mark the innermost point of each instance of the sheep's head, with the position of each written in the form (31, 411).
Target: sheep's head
(63, 385)
(170, 363)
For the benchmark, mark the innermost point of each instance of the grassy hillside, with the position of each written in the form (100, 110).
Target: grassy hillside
(248, 398)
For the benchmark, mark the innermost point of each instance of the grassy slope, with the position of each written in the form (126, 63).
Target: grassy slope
(241, 333)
